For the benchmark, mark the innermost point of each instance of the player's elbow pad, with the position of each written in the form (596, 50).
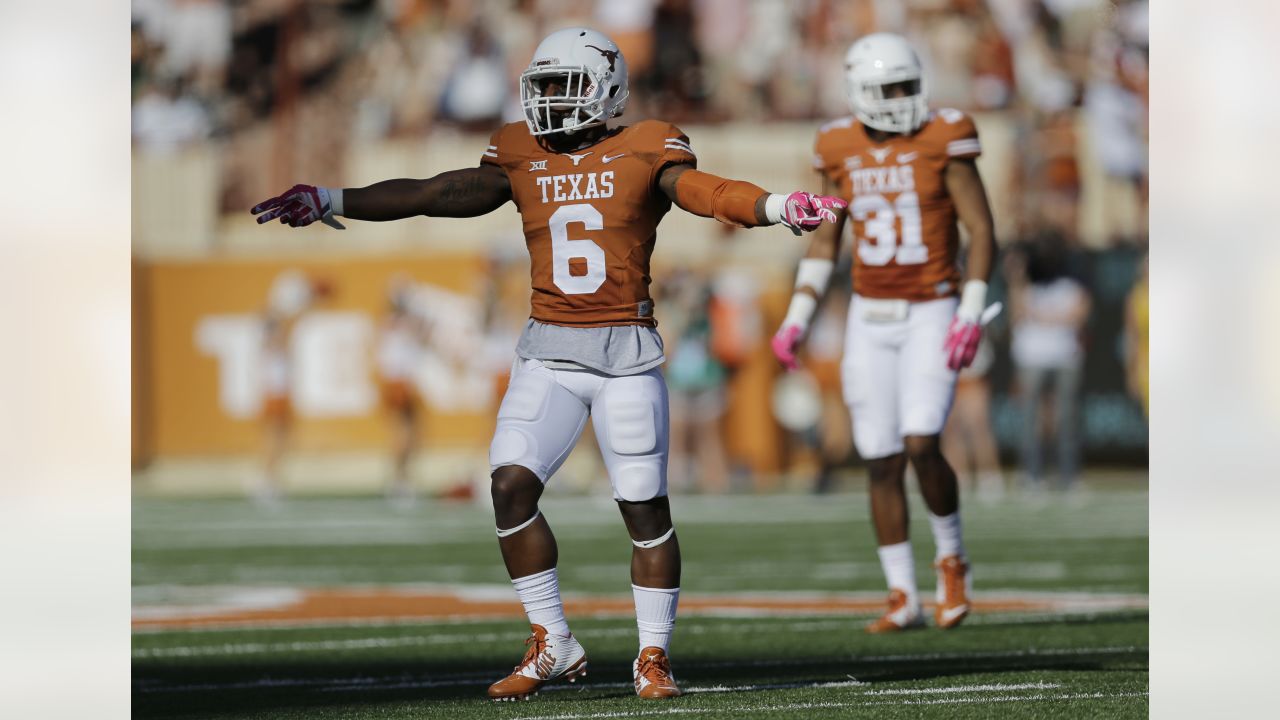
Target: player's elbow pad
(729, 201)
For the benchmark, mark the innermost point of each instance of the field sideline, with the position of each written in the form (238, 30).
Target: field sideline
(346, 608)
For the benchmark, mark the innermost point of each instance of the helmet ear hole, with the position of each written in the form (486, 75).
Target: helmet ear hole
(613, 91)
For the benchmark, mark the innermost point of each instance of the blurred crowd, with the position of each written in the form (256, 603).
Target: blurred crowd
(290, 86)
(293, 83)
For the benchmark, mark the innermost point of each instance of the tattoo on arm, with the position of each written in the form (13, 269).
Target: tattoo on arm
(459, 190)
(467, 193)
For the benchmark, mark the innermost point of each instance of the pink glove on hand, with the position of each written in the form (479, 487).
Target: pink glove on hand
(804, 212)
(299, 206)
(962, 343)
(784, 344)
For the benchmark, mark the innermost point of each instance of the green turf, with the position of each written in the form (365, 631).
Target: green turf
(1008, 664)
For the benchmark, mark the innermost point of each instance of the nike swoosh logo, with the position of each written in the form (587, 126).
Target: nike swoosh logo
(610, 158)
(952, 613)
(907, 157)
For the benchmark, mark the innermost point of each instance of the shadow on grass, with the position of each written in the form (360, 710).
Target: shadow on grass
(263, 688)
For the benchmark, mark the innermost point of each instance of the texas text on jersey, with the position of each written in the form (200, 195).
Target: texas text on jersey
(904, 221)
(590, 219)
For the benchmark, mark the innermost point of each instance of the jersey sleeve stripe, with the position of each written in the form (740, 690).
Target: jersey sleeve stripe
(679, 144)
(490, 154)
(964, 147)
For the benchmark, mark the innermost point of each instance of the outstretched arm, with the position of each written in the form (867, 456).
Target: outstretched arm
(743, 204)
(458, 193)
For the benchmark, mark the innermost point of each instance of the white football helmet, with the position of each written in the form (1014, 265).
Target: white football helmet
(592, 73)
(876, 62)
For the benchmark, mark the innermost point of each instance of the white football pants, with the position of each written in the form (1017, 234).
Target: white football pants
(545, 409)
(894, 371)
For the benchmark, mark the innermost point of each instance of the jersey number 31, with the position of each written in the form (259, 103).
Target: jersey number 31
(879, 243)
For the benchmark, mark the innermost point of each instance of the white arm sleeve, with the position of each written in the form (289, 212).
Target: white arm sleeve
(813, 273)
(973, 298)
(773, 206)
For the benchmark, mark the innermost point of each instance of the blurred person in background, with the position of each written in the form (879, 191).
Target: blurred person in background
(676, 82)
(968, 440)
(166, 119)
(475, 92)
(590, 348)
(630, 23)
(831, 433)
(696, 382)
(909, 174)
(1137, 324)
(195, 35)
(1049, 309)
(277, 409)
(1116, 103)
(292, 294)
(400, 342)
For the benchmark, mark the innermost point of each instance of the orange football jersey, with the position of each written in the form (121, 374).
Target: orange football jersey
(904, 223)
(590, 219)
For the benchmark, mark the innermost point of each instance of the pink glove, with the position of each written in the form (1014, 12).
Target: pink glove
(299, 206)
(962, 343)
(784, 344)
(803, 211)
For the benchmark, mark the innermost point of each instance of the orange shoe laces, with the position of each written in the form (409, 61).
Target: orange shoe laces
(954, 577)
(535, 649)
(656, 668)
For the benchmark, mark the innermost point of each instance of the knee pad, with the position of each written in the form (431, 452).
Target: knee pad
(637, 482)
(926, 419)
(875, 440)
(513, 446)
(632, 427)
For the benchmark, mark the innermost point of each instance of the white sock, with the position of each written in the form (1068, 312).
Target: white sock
(540, 595)
(900, 568)
(946, 535)
(655, 615)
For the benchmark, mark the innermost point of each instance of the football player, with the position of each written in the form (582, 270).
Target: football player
(590, 196)
(908, 174)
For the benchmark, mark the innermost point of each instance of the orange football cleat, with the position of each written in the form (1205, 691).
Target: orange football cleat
(549, 657)
(652, 674)
(902, 615)
(953, 591)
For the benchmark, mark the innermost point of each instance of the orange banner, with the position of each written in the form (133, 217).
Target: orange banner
(216, 340)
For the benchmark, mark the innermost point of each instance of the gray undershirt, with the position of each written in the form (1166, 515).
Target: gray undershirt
(612, 350)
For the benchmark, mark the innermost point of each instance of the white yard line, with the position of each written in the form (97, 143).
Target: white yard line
(1014, 698)
(966, 688)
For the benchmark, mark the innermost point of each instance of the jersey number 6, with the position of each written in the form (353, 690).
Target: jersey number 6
(564, 249)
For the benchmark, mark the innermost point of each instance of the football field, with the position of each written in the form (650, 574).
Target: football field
(347, 608)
